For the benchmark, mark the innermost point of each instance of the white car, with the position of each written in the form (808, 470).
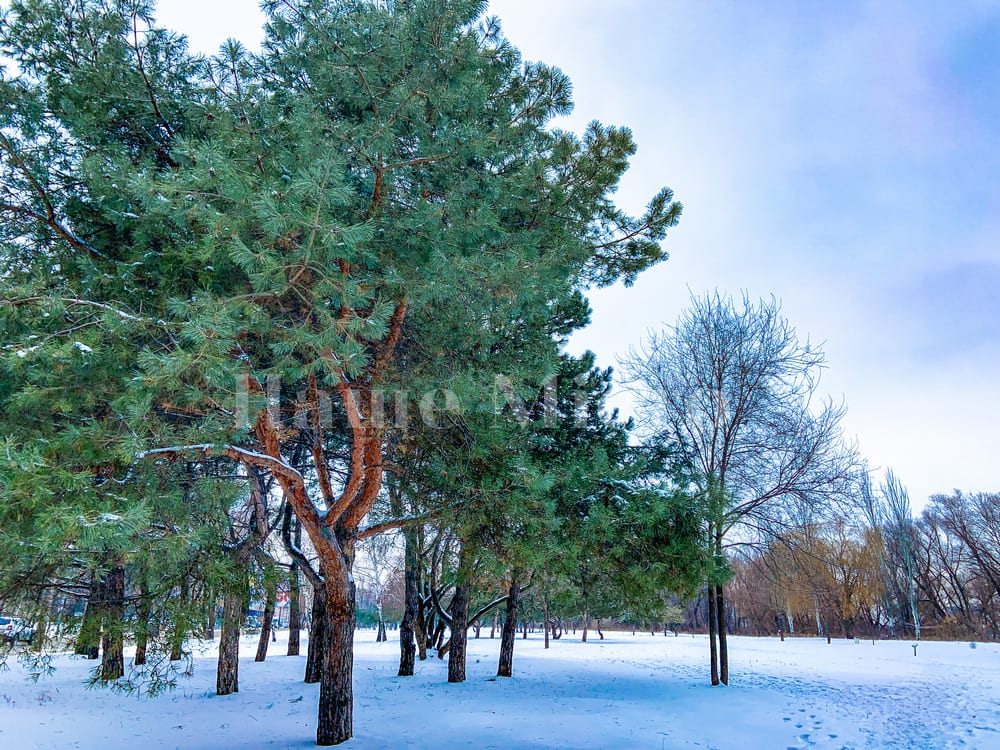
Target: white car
(15, 629)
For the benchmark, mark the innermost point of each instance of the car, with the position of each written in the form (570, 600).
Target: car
(15, 629)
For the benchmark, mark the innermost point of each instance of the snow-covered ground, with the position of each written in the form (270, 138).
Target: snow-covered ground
(626, 692)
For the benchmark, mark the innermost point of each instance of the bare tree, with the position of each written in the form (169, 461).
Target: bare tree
(971, 524)
(896, 521)
(734, 389)
(376, 567)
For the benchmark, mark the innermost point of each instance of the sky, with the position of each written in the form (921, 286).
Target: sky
(842, 157)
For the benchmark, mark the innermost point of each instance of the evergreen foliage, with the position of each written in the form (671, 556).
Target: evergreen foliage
(213, 267)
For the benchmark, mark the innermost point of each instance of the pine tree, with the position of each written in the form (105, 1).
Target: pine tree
(231, 251)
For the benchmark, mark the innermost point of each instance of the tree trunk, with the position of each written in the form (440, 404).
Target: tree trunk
(586, 625)
(493, 628)
(227, 676)
(600, 633)
(143, 613)
(88, 642)
(545, 614)
(407, 643)
(336, 690)
(505, 668)
(294, 610)
(713, 645)
(294, 590)
(439, 642)
(113, 658)
(317, 636)
(210, 615)
(42, 623)
(848, 628)
(459, 626)
(420, 628)
(267, 622)
(459, 631)
(180, 625)
(720, 612)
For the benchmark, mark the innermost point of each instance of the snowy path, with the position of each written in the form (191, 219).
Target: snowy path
(623, 693)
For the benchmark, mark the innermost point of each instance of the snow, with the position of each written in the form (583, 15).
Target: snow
(82, 347)
(622, 693)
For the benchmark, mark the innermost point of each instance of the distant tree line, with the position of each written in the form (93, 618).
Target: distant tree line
(886, 574)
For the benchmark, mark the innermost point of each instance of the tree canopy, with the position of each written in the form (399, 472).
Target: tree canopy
(225, 262)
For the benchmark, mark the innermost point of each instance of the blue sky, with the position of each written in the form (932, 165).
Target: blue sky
(844, 157)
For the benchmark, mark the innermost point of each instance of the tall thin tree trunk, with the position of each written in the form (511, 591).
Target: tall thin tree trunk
(505, 668)
(407, 644)
(712, 634)
(113, 657)
(720, 613)
(586, 624)
(267, 623)
(210, 615)
(294, 591)
(545, 615)
(380, 634)
(336, 691)
(317, 636)
(180, 624)
(420, 626)
(142, 625)
(294, 611)
(227, 676)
